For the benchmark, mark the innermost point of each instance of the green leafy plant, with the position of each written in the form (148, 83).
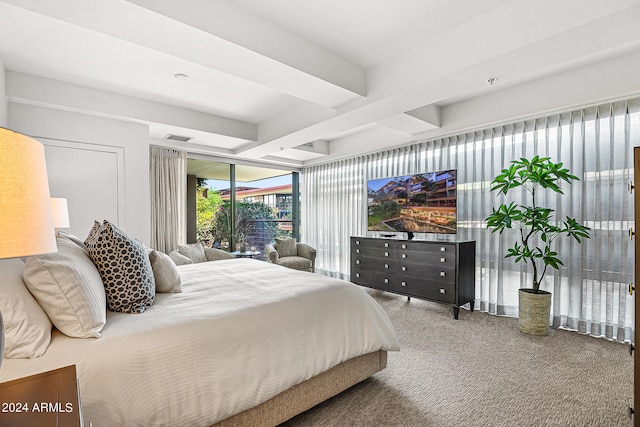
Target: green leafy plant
(252, 219)
(535, 223)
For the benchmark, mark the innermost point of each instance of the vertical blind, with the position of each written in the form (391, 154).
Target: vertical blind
(596, 144)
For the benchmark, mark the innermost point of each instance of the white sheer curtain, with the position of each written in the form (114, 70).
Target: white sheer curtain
(596, 144)
(168, 182)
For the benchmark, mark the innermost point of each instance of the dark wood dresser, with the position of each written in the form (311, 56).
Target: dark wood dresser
(442, 272)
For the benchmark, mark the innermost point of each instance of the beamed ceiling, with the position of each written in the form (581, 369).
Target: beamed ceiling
(295, 83)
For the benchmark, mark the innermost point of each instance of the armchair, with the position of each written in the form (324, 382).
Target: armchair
(291, 254)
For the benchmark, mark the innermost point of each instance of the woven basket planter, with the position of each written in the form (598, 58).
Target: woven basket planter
(534, 311)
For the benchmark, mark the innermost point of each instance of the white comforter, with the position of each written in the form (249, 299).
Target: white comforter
(241, 332)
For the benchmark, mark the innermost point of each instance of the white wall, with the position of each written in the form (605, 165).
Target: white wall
(100, 165)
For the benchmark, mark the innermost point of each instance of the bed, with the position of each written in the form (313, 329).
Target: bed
(245, 343)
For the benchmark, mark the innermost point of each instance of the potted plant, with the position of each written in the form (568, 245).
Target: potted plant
(537, 231)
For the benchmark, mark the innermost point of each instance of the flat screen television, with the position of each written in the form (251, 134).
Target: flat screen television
(419, 203)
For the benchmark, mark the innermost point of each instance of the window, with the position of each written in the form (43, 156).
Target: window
(240, 205)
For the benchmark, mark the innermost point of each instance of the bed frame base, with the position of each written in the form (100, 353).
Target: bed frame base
(309, 393)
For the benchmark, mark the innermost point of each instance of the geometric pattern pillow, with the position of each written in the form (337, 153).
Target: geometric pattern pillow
(124, 267)
(92, 233)
(286, 246)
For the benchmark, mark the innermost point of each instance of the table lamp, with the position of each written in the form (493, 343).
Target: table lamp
(26, 223)
(60, 211)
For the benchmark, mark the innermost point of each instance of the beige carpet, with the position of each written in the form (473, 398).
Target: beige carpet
(482, 371)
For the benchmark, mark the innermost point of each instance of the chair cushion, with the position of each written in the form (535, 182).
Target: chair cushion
(195, 251)
(214, 254)
(286, 246)
(295, 262)
(180, 259)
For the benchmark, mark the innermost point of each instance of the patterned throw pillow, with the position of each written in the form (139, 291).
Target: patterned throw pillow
(124, 267)
(93, 233)
(286, 246)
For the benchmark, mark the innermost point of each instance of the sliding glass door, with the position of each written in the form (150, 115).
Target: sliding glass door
(241, 207)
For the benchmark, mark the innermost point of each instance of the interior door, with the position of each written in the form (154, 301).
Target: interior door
(636, 278)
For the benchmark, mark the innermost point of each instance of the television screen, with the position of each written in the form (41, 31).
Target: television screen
(420, 203)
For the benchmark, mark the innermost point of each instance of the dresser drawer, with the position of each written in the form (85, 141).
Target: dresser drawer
(435, 259)
(368, 252)
(373, 279)
(444, 274)
(441, 248)
(380, 265)
(429, 289)
(372, 243)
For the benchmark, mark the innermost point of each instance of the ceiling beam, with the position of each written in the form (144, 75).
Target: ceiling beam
(30, 89)
(466, 75)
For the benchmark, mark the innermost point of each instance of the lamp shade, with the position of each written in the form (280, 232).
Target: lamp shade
(26, 223)
(60, 211)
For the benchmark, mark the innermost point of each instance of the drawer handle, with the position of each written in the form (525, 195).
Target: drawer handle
(386, 254)
(386, 245)
(386, 266)
(386, 280)
(357, 251)
(357, 242)
(443, 274)
(357, 261)
(404, 283)
(404, 255)
(357, 274)
(443, 259)
(443, 249)
(404, 268)
(443, 291)
(404, 246)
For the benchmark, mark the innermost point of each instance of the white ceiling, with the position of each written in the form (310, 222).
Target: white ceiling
(300, 82)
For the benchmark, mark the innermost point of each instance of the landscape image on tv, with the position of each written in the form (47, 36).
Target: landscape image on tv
(420, 203)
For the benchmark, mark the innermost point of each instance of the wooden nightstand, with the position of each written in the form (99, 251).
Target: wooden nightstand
(46, 399)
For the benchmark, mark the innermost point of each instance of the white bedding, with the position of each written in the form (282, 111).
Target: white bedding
(241, 332)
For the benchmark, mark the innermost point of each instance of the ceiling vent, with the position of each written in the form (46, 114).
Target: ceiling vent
(178, 138)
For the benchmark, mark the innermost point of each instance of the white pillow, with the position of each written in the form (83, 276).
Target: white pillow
(179, 259)
(27, 329)
(165, 273)
(73, 238)
(69, 289)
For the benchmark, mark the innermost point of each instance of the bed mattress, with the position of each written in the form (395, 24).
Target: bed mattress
(241, 332)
